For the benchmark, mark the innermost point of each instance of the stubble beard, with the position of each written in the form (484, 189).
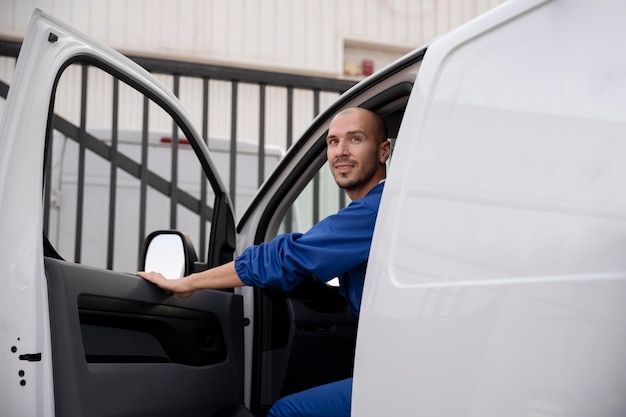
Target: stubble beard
(349, 184)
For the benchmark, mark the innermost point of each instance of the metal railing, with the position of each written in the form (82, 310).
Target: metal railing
(205, 73)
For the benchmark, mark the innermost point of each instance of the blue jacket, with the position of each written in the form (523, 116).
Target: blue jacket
(337, 246)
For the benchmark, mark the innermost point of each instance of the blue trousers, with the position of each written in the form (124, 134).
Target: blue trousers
(330, 400)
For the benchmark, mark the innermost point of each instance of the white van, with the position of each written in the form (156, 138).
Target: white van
(497, 278)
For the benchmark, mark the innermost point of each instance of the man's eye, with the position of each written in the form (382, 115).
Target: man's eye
(355, 139)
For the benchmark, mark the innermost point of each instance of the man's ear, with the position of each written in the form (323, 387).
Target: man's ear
(385, 151)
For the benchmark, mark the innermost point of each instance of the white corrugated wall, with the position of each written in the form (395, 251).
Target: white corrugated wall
(292, 35)
(318, 37)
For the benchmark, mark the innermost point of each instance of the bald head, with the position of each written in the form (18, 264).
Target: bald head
(375, 123)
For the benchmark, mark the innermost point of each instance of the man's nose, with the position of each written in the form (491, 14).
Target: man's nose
(342, 147)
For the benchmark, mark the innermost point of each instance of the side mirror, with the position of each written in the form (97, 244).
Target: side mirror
(168, 252)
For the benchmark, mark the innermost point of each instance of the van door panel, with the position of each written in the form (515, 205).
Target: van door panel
(123, 347)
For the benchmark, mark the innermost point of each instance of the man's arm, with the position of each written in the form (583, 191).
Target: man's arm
(223, 276)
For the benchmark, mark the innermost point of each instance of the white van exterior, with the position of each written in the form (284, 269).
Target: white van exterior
(496, 284)
(497, 279)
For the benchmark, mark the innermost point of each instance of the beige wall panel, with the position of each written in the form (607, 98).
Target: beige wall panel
(300, 36)
(219, 108)
(294, 35)
(248, 113)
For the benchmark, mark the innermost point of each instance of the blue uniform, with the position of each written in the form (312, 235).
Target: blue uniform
(337, 246)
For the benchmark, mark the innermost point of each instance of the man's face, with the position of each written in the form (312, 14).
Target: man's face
(355, 156)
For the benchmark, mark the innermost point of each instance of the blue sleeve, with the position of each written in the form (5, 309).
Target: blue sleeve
(333, 246)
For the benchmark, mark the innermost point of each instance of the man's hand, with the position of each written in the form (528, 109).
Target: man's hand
(179, 287)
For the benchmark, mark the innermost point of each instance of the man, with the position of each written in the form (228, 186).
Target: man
(338, 246)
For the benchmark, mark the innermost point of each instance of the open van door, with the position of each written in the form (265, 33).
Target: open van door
(79, 340)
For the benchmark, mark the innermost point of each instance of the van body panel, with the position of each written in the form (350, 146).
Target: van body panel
(497, 277)
(24, 300)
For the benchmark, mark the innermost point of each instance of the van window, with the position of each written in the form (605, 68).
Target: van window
(119, 167)
(319, 199)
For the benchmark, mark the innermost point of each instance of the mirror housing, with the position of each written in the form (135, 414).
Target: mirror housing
(169, 252)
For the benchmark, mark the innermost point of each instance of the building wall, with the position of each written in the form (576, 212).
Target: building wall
(332, 38)
(303, 36)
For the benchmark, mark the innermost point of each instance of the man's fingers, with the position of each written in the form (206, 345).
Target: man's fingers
(151, 276)
(160, 281)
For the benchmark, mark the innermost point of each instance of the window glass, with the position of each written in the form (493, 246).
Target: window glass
(110, 179)
(319, 199)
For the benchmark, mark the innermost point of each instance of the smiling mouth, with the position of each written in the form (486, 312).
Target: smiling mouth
(343, 165)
